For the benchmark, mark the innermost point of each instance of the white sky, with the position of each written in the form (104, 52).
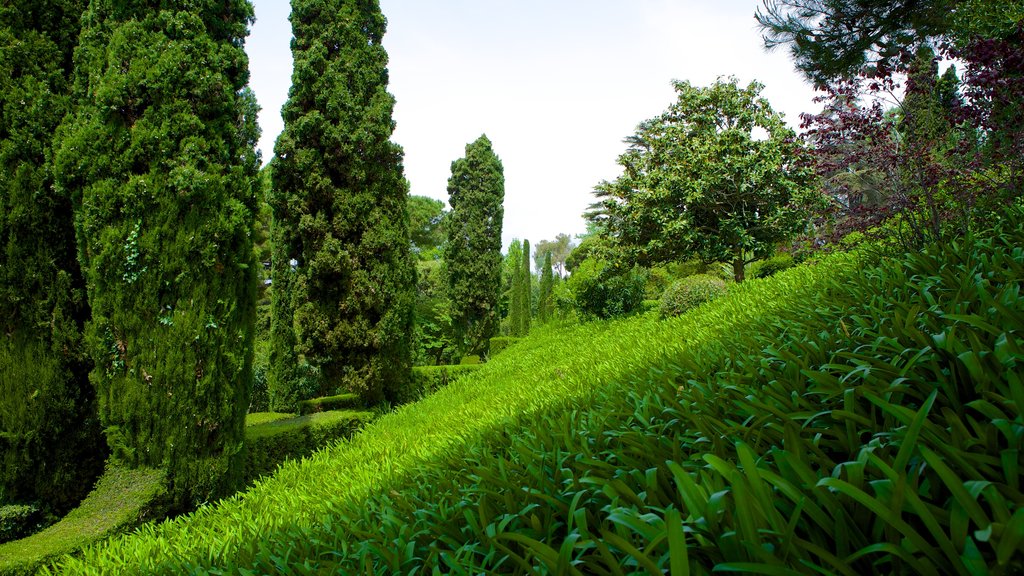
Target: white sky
(555, 84)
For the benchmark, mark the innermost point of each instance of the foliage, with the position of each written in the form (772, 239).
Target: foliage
(688, 293)
(18, 521)
(51, 445)
(340, 201)
(274, 440)
(472, 256)
(122, 499)
(601, 290)
(434, 338)
(559, 248)
(567, 365)
(499, 344)
(771, 266)
(338, 402)
(546, 302)
(429, 379)
(716, 176)
(160, 158)
(427, 227)
(521, 305)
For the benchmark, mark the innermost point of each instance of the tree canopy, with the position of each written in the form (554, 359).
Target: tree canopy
(340, 202)
(472, 256)
(716, 176)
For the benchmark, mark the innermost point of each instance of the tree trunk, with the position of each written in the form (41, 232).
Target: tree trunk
(737, 267)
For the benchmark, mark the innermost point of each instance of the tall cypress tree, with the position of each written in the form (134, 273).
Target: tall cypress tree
(340, 198)
(51, 446)
(545, 303)
(525, 289)
(160, 158)
(476, 191)
(515, 306)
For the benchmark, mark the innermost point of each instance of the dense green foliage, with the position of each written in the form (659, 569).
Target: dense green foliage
(546, 299)
(716, 176)
(500, 343)
(51, 445)
(427, 227)
(159, 156)
(688, 293)
(601, 290)
(274, 440)
(472, 256)
(429, 379)
(18, 521)
(339, 201)
(324, 403)
(121, 500)
(434, 337)
(566, 366)
(771, 266)
(521, 297)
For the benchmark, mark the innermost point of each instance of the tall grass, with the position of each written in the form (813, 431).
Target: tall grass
(293, 522)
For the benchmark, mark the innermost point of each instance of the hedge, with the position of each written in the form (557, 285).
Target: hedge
(271, 442)
(327, 403)
(428, 379)
(500, 343)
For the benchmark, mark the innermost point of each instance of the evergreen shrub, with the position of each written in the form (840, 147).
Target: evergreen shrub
(327, 403)
(690, 292)
(771, 266)
(428, 379)
(18, 521)
(601, 291)
(272, 442)
(500, 343)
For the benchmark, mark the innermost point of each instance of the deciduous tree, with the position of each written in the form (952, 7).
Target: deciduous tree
(716, 175)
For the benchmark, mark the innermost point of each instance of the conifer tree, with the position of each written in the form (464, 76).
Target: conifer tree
(476, 191)
(515, 305)
(51, 446)
(340, 199)
(545, 303)
(159, 156)
(525, 290)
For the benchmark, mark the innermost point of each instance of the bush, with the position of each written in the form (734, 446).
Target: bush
(471, 359)
(602, 291)
(272, 442)
(689, 293)
(771, 266)
(500, 343)
(428, 379)
(327, 403)
(18, 521)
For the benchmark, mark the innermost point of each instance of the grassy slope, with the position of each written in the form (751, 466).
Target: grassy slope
(559, 368)
(119, 500)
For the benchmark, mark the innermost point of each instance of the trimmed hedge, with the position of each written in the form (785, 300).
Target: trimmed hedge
(271, 442)
(17, 521)
(121, 500)
(500, 343)
(690, 292)
(428, 379)
(328, 403)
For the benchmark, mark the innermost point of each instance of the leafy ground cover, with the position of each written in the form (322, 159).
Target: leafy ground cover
(287, 523)
(122, 499)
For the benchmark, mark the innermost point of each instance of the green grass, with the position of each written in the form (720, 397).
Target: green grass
(121, 500)
(286, 523)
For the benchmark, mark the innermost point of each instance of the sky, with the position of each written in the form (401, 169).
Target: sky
(555, 84)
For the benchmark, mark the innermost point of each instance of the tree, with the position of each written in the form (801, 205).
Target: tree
(546, 302)
(522, 326)
(716, 175)
(51, 445)
(340, 200)
(160, 160)
(837, 38)
(559, 248)
(426, 226)
(476, 190)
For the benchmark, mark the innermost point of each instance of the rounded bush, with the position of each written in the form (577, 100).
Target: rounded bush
(690, 292)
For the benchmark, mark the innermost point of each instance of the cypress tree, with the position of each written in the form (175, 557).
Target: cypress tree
(51, 446)
(515, 313)
(526, 289)
(476, 190)
(160, 158)
(340, 200)
(545, 304)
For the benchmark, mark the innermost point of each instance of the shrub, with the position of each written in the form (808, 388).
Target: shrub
(18, 521)
(327, 403)
(471, 359)
(690, 292)
(429, 379)
(602, 291)
(272, 442)
(771, 266)
(500, 343)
